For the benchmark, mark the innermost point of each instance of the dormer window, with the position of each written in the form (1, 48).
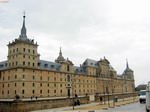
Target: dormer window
(39, 64)
(52, 66)
(91, 63)
(1, 66)
(46, 65)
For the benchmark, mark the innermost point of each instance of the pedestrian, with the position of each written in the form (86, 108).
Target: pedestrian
(36, 97)
(31, 97)
(101, 100)
(76, 95)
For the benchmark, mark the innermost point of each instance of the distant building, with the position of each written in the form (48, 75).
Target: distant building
(141, 87)
(25, 74)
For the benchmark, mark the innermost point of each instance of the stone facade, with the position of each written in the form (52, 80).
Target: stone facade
(23, 73)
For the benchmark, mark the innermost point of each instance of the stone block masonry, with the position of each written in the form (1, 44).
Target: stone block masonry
(30, 105)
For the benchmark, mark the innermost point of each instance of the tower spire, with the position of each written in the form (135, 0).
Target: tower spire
(23, 35)
(60, 57)
(127, 63)
(60, 53)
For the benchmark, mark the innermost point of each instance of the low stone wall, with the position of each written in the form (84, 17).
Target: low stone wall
(26, 106)
(111, 97)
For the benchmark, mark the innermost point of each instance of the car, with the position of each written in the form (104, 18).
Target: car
(142, 96)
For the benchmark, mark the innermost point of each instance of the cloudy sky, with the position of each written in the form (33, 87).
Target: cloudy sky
(116, 29)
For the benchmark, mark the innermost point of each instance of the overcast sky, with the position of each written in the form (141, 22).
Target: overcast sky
(116, 29)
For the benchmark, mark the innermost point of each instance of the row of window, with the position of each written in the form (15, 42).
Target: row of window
(48, 85)
(24, 50)
(48, 79)
(23, 63)
(24, 56)
(41, 91)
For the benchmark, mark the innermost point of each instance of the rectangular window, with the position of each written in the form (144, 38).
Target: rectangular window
(28, 63)
(24, 49)
(8, 77)
(23, 91)
(33, 77)
(15, 84)
(33, 84)
(23, 76)
(40, 91)
(23, 84)
(41, 84)
(15, 76)
(33, 91)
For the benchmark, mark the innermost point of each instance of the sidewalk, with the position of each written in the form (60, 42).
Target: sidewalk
(92, 106)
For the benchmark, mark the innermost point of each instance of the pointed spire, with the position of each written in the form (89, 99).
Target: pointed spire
(127, 63)
(23, 35)
(60, 53)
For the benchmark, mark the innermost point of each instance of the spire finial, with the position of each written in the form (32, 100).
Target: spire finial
(23, 35)
(24, 14)
(127, 63)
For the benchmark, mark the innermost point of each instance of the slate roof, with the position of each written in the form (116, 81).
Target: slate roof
(90, 62)
(3, 65)
(42, 64)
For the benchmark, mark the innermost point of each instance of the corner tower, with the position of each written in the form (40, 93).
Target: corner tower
(22, 52)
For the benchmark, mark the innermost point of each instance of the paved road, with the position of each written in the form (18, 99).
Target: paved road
(134, 107)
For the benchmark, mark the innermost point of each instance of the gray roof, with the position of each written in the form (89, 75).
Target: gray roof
(90, 62)
(42, 64)
(3, 65)
(79, 70)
